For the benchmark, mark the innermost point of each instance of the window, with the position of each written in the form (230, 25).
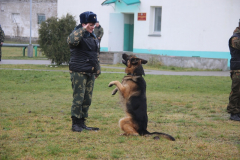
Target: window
(157, 21)
(15, 17)
(41, 18)
(2, 6)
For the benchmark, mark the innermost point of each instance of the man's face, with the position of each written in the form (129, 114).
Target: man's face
(97, 24)
(89, 27)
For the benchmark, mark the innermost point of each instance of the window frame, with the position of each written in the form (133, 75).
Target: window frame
(155, 9)
(2, 6)
(38, 18)
(153, 22)
(16, 18)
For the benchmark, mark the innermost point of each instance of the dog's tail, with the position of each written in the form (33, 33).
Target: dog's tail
(167, 136)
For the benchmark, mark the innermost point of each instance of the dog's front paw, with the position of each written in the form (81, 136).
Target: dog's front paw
(111, 84)
(114, 91)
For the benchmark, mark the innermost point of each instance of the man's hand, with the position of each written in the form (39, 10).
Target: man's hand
(1, 43)
(99, 37)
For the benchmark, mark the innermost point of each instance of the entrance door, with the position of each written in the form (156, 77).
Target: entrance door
(128, 32)
(116, 31)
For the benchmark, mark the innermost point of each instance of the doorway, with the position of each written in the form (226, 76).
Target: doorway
(121, 32)
(128, 32)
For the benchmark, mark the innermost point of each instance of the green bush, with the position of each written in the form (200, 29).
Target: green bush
(154, 62)
(53, 35)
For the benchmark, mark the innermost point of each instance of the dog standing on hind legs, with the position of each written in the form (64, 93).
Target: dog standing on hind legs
(133, 93)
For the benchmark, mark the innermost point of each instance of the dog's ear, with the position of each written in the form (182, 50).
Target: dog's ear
(143, 61)
(124, 56)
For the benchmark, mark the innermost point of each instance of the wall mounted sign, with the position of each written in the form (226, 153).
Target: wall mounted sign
(142, 16)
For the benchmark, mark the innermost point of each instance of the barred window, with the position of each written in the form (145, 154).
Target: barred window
(41, 18)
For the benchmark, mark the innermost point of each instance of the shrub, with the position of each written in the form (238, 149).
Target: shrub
(154, 62)
(53, 35)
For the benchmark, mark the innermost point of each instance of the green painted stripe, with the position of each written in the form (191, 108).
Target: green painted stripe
(203, 54)
(104, 49)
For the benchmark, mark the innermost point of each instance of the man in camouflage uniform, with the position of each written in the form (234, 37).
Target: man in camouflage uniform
(234, 98)
(2, 37)
(84, 69)
(98, 31)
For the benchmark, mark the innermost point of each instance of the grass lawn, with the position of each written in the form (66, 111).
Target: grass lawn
(35, 119)
(17, 53)
(64, 68)
(120, 67)
(168, 68)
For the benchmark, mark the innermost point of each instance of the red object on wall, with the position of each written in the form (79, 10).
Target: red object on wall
(142, 16)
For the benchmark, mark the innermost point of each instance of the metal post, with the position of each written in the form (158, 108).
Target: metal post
(30, 21)
(30, 46)
(24, 51)
(35, 48)
(30, 50)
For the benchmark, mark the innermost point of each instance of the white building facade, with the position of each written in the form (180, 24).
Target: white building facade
(15, 16)
(166, 27)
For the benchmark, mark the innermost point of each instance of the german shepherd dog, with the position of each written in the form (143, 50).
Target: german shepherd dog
(133, 93)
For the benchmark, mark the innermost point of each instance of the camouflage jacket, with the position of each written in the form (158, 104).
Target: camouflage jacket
(2, 35)
(98, 31)
(75, 38)
(235, 42)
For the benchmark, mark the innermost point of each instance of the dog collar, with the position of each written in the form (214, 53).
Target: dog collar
(129, 74)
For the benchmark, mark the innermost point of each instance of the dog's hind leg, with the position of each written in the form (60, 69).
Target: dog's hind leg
(127, 125)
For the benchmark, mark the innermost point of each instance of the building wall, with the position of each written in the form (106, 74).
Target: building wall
(19, 26)
(76, 7)
(189, 28)
(199, 25)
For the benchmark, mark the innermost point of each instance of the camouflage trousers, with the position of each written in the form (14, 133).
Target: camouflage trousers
(234, 97)
(82, 85)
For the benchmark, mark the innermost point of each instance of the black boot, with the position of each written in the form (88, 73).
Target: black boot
(235, 117)
(76, 124)
(83, 125)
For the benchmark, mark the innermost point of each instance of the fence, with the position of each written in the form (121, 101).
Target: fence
(35, 46)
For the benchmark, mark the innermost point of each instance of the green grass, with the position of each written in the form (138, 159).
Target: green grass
(17, 52)
(65, 67)
(35, 119)
(50, 67)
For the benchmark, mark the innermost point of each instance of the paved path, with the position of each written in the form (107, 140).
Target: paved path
(187, 73)
(8, 61)
(155, 72)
